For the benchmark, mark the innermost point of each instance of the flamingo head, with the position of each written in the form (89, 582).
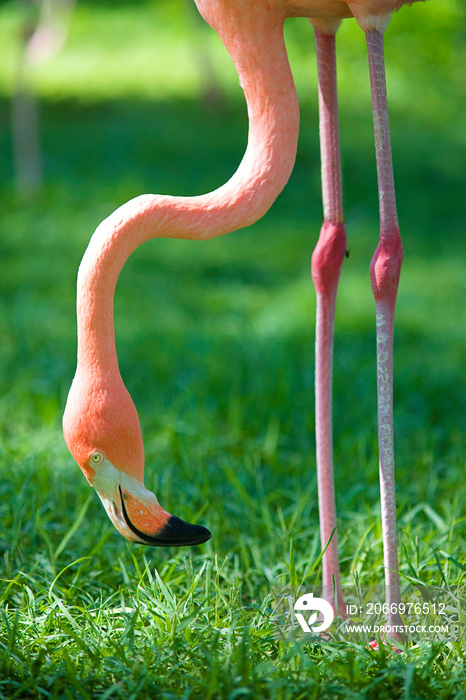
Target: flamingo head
(102, 432)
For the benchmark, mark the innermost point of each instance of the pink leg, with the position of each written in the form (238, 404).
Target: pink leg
(385, 274)
(327, 260)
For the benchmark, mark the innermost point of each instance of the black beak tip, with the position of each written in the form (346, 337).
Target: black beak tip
(177, 533)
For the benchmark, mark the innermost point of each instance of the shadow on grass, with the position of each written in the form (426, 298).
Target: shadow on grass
(216, 346)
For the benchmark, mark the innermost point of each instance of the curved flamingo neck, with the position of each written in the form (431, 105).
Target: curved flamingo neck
(258, 51)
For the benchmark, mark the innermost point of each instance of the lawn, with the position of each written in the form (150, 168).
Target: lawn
(215, 342)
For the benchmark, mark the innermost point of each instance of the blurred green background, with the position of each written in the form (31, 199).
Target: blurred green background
(215, 340)
(126, 108)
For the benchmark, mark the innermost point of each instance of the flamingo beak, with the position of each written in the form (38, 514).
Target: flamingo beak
(138, 516)
(174, 532)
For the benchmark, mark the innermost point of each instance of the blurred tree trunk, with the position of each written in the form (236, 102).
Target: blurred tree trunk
(43, 33)
(211, 92)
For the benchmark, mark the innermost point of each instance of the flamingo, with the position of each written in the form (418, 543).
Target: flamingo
(100, 423)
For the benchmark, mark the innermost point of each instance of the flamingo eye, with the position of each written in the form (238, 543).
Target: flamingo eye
(97, 458)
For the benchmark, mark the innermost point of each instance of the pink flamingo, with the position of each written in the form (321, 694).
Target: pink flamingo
(101, 425)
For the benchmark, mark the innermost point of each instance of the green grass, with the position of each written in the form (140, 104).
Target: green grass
(215, 343)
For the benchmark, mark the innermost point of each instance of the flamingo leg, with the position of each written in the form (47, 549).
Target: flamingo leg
(327, 260)
(385, 273)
